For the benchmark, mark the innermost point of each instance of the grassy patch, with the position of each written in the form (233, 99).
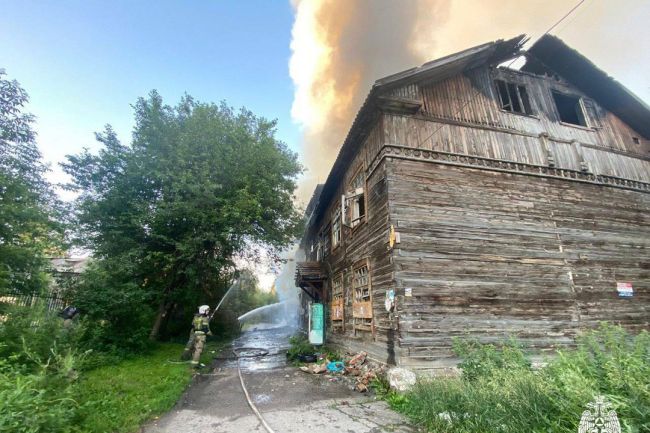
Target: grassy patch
(119, 398)
(499, 392)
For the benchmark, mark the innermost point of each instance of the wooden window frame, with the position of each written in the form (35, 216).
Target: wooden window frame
(326, 239)
(337, 303)
(525, 106)
(337, 226)
(355, 199)
(581, 104)
(362, 311)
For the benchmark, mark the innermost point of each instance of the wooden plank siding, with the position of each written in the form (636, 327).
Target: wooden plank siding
(509, 224)
(367, 241)
(472, 98)
(491, 254)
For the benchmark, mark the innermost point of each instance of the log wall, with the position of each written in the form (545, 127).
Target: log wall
(490, 254)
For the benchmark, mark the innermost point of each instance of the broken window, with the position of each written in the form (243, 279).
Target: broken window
(336, 305)
(570, 109)
(513, 97)
(336, 228)
(362, 301)
(355, 202)
(325, 237)
(319, 251)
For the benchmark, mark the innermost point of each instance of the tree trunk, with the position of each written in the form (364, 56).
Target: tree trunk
(163, 310)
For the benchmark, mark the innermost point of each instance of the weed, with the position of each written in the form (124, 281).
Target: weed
(499, 392)
(299, 345)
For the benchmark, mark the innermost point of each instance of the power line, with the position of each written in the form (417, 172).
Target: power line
(469, 101)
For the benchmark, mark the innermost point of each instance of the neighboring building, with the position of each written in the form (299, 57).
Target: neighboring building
(69, 265)
(61, 269)
(491, 202)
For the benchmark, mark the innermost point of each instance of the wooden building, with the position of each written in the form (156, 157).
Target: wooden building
(470, 199)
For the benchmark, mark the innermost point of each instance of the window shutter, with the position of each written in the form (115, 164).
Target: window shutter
(593, 113)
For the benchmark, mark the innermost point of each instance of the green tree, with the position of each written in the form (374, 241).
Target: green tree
(28, 206)
(200, 185)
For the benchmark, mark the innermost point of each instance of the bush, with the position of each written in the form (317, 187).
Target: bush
(36, 390)
(29, 336)
(116, 312)
(499, 392)
(34, 402)
(38, 367)
(299, 345)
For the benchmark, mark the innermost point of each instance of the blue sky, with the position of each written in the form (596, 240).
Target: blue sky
(84, 62)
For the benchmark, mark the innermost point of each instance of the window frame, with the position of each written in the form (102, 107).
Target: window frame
(523, 103)
(362, 322)
(337, 228)
(580, 103)
(337, 300)
(357, 200)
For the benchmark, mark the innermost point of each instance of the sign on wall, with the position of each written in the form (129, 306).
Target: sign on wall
(625, 290)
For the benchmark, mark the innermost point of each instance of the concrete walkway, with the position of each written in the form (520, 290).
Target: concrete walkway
(289, 400)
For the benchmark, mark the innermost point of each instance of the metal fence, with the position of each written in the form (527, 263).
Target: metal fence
(52, 301)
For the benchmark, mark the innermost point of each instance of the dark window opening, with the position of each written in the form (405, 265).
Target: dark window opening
(513, 98)
(635, 140)
(570, 109)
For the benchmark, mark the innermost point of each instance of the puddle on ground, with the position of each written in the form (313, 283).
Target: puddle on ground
(258, 339)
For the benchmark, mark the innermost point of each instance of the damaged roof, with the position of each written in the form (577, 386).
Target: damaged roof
(551, 55)
(548, 55)
(491, 53)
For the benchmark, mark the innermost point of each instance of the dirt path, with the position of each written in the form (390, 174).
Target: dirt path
(290, 400)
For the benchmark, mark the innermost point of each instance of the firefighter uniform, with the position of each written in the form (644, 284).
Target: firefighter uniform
(200, 329)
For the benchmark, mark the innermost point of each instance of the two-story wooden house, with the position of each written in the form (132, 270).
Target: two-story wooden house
(470, 199)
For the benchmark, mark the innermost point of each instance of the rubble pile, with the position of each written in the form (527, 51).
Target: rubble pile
(357, 369)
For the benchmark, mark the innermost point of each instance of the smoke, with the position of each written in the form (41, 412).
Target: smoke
(340, 47)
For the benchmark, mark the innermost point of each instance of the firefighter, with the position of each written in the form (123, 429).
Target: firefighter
(200, 329)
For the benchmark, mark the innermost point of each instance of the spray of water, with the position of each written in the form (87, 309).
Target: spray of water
(285, 312)
(265, 310)
(223, 298)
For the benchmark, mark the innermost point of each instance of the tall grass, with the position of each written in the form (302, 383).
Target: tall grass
(49, 385)
(499, 392)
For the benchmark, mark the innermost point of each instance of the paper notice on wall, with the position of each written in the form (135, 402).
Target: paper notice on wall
(625, 290)
(408, 291)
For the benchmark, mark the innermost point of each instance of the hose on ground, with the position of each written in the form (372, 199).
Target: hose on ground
(248, 398)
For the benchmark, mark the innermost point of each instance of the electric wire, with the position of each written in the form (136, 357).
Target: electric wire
(469, 101)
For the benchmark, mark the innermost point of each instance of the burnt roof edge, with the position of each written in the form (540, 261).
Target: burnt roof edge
(502, 50)
(552, 54)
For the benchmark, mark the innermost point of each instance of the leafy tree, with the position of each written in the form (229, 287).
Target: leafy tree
(199, 186)
(28, 206)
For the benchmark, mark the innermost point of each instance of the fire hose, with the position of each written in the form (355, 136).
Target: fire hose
(248, 397)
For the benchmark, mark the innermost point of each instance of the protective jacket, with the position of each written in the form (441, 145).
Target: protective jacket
(201, 324)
